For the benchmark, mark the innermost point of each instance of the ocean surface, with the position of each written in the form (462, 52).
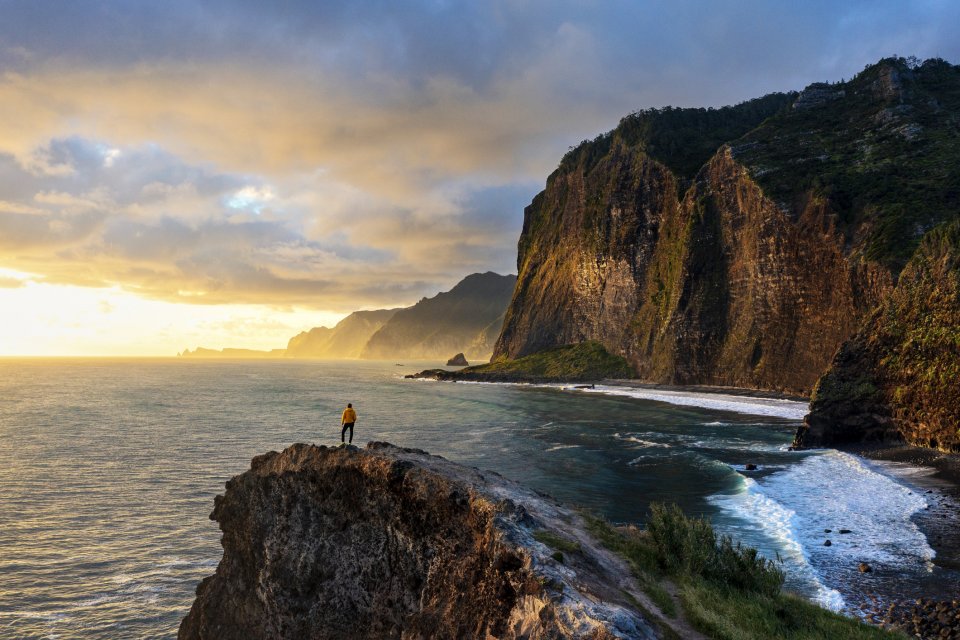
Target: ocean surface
(109, 470)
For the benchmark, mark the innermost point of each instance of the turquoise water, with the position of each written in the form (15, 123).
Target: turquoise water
(110, 469)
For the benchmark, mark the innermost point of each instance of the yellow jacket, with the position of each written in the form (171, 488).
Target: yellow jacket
(349, 415)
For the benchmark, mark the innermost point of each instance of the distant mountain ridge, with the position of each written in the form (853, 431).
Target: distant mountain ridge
(201, 352)
(345, 340)
(467, 319)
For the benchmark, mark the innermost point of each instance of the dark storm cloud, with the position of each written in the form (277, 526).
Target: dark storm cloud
(746, 43)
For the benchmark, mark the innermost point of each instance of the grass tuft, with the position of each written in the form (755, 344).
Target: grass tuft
(688, 547)
(727, 591)
(556, 541)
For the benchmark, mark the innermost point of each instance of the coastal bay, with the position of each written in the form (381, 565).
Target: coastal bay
(171, 432)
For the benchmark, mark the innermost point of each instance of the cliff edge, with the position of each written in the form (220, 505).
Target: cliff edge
(395, 543)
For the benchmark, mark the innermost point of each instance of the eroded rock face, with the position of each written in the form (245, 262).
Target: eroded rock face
(748, 263)
(395, 543)
(898, 378)
(721, 287)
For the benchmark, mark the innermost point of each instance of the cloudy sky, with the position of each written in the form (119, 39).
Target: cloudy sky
(230, 173)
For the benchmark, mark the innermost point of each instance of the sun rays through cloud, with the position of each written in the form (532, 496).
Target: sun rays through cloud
(234, 163)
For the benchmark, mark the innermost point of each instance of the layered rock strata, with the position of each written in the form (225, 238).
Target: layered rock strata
(396, 543)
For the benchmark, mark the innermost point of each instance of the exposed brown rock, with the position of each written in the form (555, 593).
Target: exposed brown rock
(897, 379)
(395, 543)
(721, 288)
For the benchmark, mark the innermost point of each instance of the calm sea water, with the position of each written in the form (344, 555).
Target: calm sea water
(109, 470)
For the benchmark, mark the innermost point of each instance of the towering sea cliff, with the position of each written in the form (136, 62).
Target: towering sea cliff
(740, 246)
(395, 543)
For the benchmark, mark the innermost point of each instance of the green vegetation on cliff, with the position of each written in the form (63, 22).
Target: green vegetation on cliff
(897, 378)
(578, 362)
(682, 139)
(741, 246)
(726, 591)
(587, 361)
(882, 149)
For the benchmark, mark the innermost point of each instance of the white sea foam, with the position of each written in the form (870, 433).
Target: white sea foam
(557, 447)
(832, 490)
(777, 522)
(642, 442)
(791, 409)
(775, 407)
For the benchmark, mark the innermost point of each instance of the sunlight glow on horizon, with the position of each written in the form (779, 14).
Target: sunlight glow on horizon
(42, 319)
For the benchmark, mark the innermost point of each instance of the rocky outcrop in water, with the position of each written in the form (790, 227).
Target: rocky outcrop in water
(458, 361)
(395, 543)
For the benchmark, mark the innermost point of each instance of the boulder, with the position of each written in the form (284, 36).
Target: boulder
(457, 361)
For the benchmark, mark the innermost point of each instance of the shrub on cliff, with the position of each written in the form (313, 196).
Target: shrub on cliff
(726, 590)
(689, 547)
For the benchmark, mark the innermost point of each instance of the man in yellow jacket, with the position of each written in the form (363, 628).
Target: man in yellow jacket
(347, 419)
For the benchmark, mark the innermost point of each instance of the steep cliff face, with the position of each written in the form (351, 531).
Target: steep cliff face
(587, 242)
(898, 379)
(346, 340)
(460, 320)
(722, 287)
(743, 295)
(395, 543)
(754, 269)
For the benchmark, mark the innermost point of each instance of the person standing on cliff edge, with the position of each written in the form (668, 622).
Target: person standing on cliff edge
(346, 420)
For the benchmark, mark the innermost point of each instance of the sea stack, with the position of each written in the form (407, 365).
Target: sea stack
(457, 361)
(395, 543)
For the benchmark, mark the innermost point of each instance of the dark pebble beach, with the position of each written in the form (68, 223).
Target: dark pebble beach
(935, 614)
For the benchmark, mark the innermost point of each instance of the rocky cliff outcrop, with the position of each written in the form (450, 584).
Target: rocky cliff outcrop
(898, 378)
(464, 319)
(747, 263)
(395, 543)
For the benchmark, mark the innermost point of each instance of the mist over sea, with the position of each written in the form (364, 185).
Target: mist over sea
(110, 468)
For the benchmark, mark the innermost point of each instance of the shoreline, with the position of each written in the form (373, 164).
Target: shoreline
(933, 474)
(703, 388)
(441, 374)
(937, 476)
